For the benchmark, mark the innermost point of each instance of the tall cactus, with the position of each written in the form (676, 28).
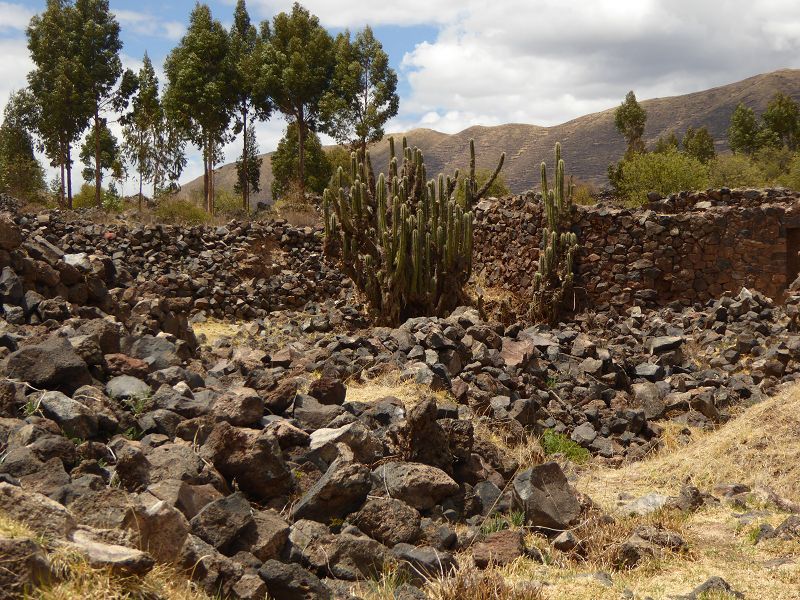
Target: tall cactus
(406, 243)
(553, 282)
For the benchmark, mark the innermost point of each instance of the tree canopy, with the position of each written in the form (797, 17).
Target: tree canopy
(297, 70)
(630, 119)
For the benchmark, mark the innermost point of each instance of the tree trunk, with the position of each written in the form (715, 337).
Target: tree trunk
(205, 171)
(140, 191)
(211, 180)
(69, 175)
(301, 160)
(61, 199)
(246, 182)
(97, 176)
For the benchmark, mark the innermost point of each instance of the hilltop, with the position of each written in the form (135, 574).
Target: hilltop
(590, 143)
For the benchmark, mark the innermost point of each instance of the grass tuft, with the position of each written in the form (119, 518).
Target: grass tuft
(558, 443)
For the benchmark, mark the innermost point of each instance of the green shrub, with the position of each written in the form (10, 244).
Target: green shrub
(665, 172)
(228, 204)
(774, 163)
(584, 194)
(792, 178)
(111, 200)
(180, 211)
(734, 171)
(558, 443)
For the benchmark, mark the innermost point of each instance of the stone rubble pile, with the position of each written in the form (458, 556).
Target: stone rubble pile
(245, 464)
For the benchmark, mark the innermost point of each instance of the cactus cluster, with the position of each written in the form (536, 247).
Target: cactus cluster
(404, 241)
(553, 282)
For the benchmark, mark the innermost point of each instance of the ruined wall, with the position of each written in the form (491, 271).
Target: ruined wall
(686, 248)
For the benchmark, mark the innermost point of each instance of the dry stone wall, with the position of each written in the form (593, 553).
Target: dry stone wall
(687, 248)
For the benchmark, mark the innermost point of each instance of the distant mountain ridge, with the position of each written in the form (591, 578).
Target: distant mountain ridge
(589, 143)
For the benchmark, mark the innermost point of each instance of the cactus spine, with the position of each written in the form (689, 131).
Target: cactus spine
(553, 282)
(406, 243)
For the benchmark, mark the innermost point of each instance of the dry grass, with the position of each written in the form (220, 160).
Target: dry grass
(215, 329)
(77, 579)
(468, 583)
(84, 582)
(758, 448)
(9, 528)
(390, 384)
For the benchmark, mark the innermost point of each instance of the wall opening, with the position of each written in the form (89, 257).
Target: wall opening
(792, 254)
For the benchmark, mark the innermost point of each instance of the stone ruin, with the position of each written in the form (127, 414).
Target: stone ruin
(691, 247)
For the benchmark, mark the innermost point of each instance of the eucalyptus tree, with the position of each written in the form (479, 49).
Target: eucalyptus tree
(58, 110)
(297, 69)
(200, 98)
(250, 99)
(364, 95)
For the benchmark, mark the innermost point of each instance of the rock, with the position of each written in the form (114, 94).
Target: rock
(52, 364)
(565, 541)
(38, 512)
(517, 353)
(340, 491)
(649, 371)
(584, 434)
(215, 573)
(366, 447)
(161, 530)
(647, 541)
(250, 587)
(418, 485)
(240, 406)
(221, 522)
(312, 414)
(266, 538)
(251, 457)
(424, 561)
(659, 345)
(645, 505)
(421, 439)
(118, 559)
(282, 396)
(543, 494)
(11, 290)
(25, 565)
(10, 234)
(74, 418)
(328, 390)
(498, 549)
(711, 587)
(356, 557)
(125, 387)
(292, 582)
(388, 520)
(648, 397)
(158, 352)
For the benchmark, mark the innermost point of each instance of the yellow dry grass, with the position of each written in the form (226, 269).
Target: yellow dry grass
(391, 384)
(9, 528)
(77, 579)
(215, 329)
(86, 583)
(760, 447)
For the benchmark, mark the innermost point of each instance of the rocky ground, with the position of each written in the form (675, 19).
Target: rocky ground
(206, 411)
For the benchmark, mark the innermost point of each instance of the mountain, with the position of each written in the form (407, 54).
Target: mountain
(589, 143)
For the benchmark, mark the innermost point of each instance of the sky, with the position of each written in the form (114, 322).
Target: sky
(480, 62)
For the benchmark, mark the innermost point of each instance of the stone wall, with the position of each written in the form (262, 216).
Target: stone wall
(687, 248)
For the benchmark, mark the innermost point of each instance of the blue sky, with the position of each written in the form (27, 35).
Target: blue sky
(481, 62)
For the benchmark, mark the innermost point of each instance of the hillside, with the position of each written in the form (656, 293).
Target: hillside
(590, 143)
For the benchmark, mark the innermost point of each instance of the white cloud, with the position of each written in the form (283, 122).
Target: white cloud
(546, 62)
(352, 13)
(14, 67)
(149, 25)
(14, 16)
